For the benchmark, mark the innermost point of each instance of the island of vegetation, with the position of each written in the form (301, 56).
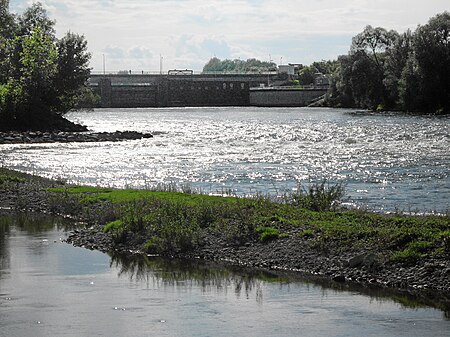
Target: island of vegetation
(307, 232)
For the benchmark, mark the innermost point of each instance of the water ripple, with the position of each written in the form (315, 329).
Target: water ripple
(397, 161)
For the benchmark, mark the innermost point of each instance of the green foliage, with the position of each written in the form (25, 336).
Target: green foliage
(306, 75)
(307, 233)
(318, 197)
(413, 251)
(6, 178)
(267, 233)
(40, 76)
(250, 65)
(113, 226)
(172, 222)
(117, 230)
(409, 71)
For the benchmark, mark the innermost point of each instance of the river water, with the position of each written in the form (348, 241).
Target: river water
(386, 161)
(49, 288)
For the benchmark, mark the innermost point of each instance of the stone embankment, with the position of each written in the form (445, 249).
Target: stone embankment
(66, 137)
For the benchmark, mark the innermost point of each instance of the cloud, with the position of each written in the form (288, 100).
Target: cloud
(188, 32)
(114, 52)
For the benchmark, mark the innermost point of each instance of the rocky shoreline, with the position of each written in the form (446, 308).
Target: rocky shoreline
(428, 280)
(295, 254)
(30, 137)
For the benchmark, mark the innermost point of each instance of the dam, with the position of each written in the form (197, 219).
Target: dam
(181, 88)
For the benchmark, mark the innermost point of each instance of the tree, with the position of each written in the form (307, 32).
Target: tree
(37, 69)
(227, 65)
(72, 70)
(41, 77)
(34, 17)
(340, 93)
(432, 56)
(396, 61)
(372, 42)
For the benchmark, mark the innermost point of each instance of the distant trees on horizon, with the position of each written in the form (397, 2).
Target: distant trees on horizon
(238, 65)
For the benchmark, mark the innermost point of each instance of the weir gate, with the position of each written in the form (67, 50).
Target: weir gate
(142, 90)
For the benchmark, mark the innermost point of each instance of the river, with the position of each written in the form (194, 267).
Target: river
(50, 288)
(387, 162)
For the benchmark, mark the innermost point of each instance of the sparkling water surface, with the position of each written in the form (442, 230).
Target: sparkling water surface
(386, 161)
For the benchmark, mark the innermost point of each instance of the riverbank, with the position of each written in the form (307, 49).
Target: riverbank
(406, 253)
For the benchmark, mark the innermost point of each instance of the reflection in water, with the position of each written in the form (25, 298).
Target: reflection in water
(209, 276)
(31, 223)
(218, 278)
(4, 233)
(75, 292)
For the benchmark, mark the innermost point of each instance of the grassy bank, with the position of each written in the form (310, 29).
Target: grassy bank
(171, 222)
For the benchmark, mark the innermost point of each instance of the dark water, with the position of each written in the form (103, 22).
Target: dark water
(386, 161)
(49, 288)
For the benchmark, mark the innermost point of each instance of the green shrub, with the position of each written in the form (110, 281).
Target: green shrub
(307, 233)
(116, 228)
(413, 252)
(318, 197)
(267, 233)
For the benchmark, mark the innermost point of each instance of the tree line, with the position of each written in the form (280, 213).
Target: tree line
(238, 66)
(391, 71)
(384, 70)
(41, 77)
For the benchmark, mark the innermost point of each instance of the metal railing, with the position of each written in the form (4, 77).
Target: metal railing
(194, 72)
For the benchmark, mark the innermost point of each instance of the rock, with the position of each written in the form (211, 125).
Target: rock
(362, 260)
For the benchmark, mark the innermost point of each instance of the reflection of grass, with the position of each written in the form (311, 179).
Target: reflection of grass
(206, 275)
(218, 277)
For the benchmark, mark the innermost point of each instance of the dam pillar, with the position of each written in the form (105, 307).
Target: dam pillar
(105, 92)
(162, 94)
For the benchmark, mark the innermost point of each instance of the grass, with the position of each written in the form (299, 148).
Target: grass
(267, 233)
(168, 221)
(176, 222)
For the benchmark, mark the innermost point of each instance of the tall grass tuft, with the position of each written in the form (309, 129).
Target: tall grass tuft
(318, 197)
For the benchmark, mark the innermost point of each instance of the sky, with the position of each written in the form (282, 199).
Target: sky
(155, 35)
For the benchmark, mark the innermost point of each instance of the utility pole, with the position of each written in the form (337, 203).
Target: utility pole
(104, 68)
(160, 64)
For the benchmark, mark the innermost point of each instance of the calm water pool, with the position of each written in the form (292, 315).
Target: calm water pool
(49, 288)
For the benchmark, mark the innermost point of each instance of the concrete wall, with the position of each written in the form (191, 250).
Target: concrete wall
(269, 97)
(119, 91)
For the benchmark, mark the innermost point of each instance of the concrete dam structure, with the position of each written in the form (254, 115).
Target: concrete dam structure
(181, 89)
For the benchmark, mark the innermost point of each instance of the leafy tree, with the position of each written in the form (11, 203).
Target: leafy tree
(372, 42)
(72, 70)
(432, 55)
(396, 61)
(41, 77)
(306, 75)
(37, 69)
(34, 17)
(340, 93)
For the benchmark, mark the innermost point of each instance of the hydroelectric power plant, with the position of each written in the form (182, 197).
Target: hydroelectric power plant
(180, 88)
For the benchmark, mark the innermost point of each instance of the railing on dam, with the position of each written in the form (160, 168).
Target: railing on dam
(194, 72)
